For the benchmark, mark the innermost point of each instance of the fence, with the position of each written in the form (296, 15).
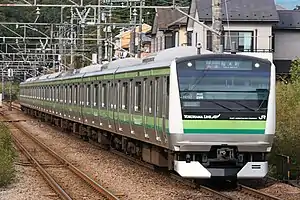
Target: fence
(287, 170)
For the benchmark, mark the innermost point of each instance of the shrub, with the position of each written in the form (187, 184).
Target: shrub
(287, 141)
(7, 155)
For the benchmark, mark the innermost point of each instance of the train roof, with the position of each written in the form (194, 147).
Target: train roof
(90, 68)
(173, 53)
(156, 60)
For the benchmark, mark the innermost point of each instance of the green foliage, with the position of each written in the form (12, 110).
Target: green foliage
(7, 155)
(15, 89)
(295, 71)
(287, 141)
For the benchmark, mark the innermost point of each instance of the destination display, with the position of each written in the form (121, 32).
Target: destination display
(224, 65)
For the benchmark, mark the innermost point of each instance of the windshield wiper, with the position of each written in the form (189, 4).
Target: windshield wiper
(263, 101)
(196, 82)
(220, 105)
(244, 106)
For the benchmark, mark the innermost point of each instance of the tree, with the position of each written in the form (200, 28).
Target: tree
(297, 7)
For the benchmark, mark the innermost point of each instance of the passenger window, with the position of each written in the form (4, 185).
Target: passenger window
(58, 93)
(96, 95)
(75, 94)
(158, 95)
(118, 91)
(138, 96)
(71, 94)
(88, 95)
(66, 94)
(104, 95)
(150, 97)
(81, 95)
(168, 85)
(125, 93)
(111, 96)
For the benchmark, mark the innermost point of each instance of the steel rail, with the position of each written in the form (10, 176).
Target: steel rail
(206, 190)
(216, 194)
(257, 194)
(55, 186)
(100, 189)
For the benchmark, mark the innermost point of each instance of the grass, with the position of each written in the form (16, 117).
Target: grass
(7, 155)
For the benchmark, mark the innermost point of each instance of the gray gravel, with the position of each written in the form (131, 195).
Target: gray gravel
(115, 173)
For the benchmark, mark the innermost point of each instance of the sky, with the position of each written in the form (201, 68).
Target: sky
(288, 3)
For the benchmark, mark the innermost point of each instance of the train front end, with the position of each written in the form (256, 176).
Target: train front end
(222, 115)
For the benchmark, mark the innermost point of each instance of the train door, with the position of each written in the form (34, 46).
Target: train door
(144, 107)
(149, 111)
(55, 106)
(70, 100)
(112, 105)
(87, 106)
(65, 101)
(165, 110)
(104, 117)
(137, 117)
(74, 107)
(82, 98)
(118, 115)
(95, 103)
(124, 117)
(158, 122)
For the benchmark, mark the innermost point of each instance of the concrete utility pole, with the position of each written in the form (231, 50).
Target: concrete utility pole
(72, 41)
(99, 42)
(140, 29)
(216, 24)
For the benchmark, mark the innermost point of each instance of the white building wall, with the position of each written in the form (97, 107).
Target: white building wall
(158, 42)
(263, 39)
(287, 46)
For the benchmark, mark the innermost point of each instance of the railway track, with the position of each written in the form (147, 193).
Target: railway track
(241, 192)
(63, 177)
(256, 193)
(13, 105)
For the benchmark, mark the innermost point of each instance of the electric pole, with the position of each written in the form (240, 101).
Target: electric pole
(72, 39)
(140, 29)
(99, 43)
(216, 24)
(133, 32)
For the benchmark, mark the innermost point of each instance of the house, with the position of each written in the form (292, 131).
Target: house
(247, 23)
(168, 30)
(256, 26)
(287, 43)
(124, 38)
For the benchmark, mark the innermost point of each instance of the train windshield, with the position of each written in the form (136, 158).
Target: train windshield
(224, 84)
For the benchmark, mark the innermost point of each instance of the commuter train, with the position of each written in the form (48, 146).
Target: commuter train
(200, 114)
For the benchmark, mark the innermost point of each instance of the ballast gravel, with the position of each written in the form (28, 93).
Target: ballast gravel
(117, 174)
(28, 185)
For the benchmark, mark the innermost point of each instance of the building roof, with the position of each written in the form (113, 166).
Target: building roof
(180, 21)
(240, 10)
(145, 28)
(164, 17)
(125, 37)
(288, 19)
(145, 38)
(280, 7)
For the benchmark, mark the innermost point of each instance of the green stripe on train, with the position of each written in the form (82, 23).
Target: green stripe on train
(223, 127)
(134, 119)
(224, 124)
(224, 131)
